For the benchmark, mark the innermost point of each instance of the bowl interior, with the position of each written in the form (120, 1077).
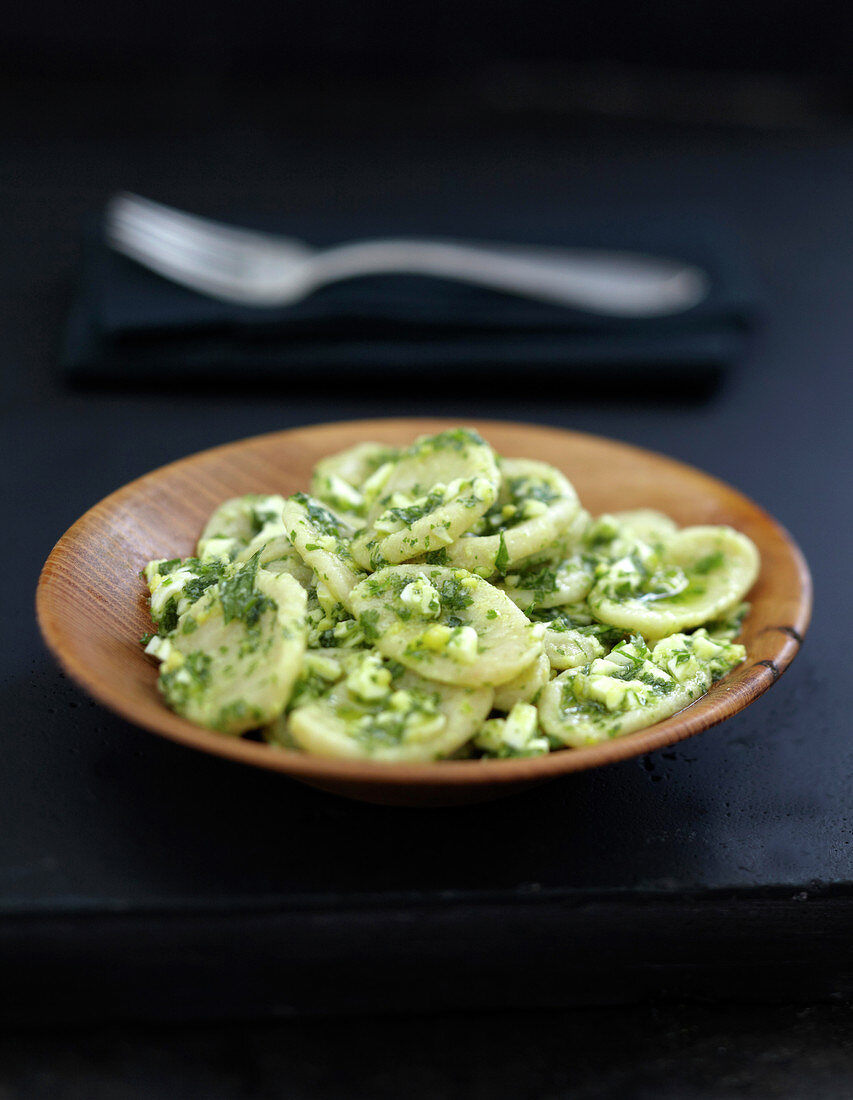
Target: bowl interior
(92, 608)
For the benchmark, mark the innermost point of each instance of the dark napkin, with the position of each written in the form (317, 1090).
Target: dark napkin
(130, 327)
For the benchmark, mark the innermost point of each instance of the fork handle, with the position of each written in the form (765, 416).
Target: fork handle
(615, 283)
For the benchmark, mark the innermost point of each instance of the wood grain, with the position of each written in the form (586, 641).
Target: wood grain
(92, 609)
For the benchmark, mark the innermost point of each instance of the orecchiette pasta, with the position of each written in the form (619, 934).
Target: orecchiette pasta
(441, 601)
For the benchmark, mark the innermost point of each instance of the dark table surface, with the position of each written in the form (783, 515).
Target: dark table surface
(140, 879)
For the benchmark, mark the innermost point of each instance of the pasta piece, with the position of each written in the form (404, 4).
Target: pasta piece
(437, 490)
(323, 541)
(350, 481)
(174, 586)
(355, 466)
(548, 583)
(524, 687)
(234, 656)
(236, 522)
(277, 554)
(447, 624)
(703, 573)
(570, 648)
(632, 687)
(646, 524)
(381, 711)
(573, 637)
(535, 506)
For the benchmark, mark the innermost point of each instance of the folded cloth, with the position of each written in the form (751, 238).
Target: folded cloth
(130, 327)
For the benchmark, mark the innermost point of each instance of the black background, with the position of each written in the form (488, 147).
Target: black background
(141, 880)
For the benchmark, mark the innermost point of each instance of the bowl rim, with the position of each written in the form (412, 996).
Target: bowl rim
(724, 699)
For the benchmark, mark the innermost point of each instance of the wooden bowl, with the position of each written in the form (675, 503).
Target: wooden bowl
(92, 609)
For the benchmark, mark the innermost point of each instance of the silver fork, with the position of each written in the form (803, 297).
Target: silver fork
(259, 269)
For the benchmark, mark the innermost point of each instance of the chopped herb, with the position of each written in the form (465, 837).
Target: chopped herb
(187, 680)
(454, 593)
(413, 512)
(522, 489)
(502, 556)
(236, 711)
(321, 518)
(367, 620)
(206, 574)
(240, 597)
(709, 563)
(169, 618)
